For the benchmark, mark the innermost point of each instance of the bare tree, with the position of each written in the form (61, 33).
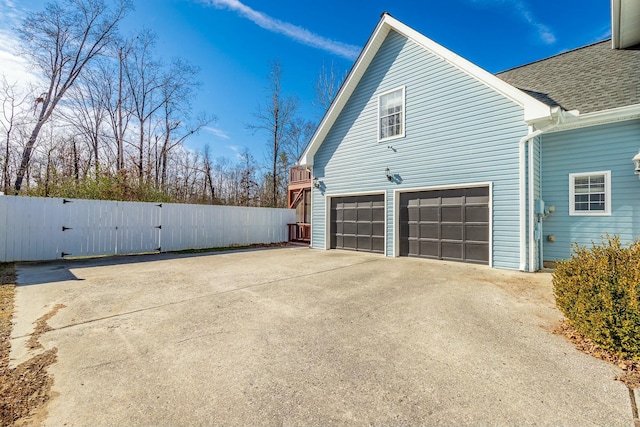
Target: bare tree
(274, 119)
(248, 183)
(299, 135)
(14, 102)
(61, 41)
(144, 84)
(177, 92)
(87, 111)
(327, 86)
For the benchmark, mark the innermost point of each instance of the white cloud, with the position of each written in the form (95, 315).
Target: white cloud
(15, 68)
(544, 33)
(217, 132)
(292, 31)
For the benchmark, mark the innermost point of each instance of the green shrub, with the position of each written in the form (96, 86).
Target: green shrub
(598, 290)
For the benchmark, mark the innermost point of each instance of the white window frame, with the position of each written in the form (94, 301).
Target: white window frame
(607, 194)
(404, 114)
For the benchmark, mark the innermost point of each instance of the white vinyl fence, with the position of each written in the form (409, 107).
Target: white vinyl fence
(37, 229)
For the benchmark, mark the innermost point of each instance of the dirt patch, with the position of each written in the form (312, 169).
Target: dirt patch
(41, 327)
(630, 368)
(25, 389)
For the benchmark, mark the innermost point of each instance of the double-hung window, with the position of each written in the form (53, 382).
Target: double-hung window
(590, 193)
(391, 114)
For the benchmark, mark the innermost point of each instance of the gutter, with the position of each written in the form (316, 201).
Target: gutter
(556, 113)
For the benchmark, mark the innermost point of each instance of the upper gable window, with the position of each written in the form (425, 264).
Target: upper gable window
(590, 193)
(391, 114)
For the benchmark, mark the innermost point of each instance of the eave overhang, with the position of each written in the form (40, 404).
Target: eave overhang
(534, 110)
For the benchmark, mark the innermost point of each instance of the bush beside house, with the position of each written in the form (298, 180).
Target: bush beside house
(598, 290)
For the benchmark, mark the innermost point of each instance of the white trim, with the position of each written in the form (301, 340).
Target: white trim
(396, 209)
(531, 213)
(625, 20)
(327, 202)
(559, 116)
(404, 114)
(575, 120)
(607, 194)
(534, 110)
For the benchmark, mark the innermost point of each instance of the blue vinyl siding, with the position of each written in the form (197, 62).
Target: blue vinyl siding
(458, 131)
(607, 147)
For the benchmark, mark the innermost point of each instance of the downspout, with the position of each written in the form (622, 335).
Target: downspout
(556, 113)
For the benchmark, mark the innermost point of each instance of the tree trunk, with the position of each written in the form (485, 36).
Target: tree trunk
(5, 166)
(28, 149)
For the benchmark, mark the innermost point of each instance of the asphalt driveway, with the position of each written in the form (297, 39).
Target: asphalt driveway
(294, 336)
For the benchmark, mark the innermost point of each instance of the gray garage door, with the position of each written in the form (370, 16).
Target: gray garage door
(446, 224)
(357, 223)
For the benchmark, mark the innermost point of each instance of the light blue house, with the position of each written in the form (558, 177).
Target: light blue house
(425, 154)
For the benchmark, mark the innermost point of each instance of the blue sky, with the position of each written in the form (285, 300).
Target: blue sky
(233, 41)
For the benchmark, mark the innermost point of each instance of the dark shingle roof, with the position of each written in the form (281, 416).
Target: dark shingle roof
(591, 78)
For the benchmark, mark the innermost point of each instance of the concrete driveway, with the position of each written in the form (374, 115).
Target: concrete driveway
(294, 336)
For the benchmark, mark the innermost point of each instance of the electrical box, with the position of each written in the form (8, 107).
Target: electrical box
(538, 207)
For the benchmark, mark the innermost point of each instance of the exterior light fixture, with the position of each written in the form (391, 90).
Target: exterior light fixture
(316, 183)
(636, 163)
(387, 173)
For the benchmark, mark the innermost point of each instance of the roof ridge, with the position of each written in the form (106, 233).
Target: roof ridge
(553, 56)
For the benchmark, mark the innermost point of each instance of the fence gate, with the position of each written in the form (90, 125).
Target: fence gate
(89, 227)
(105, 227)
(139, 227)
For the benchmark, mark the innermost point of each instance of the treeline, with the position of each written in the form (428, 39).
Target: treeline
(108, 119)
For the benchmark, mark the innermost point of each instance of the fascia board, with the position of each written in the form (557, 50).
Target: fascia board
(352, 80)
(573, 120)
(533, 109)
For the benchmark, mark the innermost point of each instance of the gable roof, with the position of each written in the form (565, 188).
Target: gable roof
(587, 79)
(534, 109)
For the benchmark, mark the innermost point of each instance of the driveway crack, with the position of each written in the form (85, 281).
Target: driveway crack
(187, 300)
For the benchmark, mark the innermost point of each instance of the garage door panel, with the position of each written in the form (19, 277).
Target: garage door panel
(429, 231)
(363, 243)
(377, 229)
(413, 214)
(446, 224)
(357, 223)
(364, 228)
(451, 213)
(365, 214)
(349, 228)
(377, 244)
(477, 252)
(349, 214)
(477, 213)
(429, 213)
(452, 250)
(349, 242)
(414, 247)
(452, 232)
(429, 249)
(476, 232)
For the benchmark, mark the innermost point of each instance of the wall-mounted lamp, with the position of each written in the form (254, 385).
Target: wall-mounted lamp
(316, 182)
(387, 173)
(636, 163)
